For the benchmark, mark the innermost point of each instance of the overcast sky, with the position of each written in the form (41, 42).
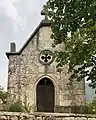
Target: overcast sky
(18, 18)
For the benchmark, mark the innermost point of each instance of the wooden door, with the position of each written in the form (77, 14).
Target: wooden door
(45, 96)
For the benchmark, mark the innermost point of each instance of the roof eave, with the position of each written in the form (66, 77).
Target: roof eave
(11, 53)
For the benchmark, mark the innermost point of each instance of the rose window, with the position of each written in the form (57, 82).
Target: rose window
(46, 57)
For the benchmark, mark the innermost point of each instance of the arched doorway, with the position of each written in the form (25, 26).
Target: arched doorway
(45, 95)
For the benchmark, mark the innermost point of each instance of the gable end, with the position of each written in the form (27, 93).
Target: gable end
(42, 23)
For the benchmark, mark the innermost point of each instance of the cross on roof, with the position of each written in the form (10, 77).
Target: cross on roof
(43, 12)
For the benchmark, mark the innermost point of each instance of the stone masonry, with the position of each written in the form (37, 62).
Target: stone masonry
(45, 116)
(25, 71)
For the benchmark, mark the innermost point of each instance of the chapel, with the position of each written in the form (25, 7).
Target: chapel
(32, 75)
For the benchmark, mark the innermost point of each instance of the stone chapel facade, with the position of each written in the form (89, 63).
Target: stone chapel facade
(32, 74)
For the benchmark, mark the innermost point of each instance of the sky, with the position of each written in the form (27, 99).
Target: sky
(18, 19)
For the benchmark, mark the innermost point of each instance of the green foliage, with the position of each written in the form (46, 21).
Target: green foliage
(3, 96)
(15, 107)
(18, 106)
(74, 25)
(91, 107)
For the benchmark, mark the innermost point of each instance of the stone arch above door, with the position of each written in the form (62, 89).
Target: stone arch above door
(56, 89)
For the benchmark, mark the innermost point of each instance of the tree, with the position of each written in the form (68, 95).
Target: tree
(73, 24)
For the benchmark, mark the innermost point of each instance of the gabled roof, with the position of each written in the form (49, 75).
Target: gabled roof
(42, 23)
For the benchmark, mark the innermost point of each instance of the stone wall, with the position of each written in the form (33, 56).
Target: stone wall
(45, 116)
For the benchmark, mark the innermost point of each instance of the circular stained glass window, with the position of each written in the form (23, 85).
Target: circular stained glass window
(46, 57)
